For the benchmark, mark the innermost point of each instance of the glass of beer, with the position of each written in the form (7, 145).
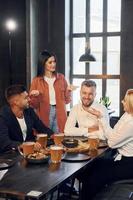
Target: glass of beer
(58, 138)
(56, 153)
(28, 148)
(42, 139)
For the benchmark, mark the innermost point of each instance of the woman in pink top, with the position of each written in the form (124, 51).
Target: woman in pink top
(50, 93)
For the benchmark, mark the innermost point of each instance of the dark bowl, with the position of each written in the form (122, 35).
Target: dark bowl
(38, 161)
(70, 143)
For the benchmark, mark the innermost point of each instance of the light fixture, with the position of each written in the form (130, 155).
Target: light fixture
(87, 56)
(11, 25)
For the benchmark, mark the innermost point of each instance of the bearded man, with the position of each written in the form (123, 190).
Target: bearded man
(88, 124)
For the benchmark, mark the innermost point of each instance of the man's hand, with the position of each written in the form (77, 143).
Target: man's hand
(93, 128)
(37, 146)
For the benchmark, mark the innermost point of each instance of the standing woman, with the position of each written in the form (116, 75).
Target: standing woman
(49, 93)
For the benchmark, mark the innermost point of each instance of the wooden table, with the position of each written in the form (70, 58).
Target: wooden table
(23, 177)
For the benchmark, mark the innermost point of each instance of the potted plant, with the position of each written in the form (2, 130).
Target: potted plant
(105, 101)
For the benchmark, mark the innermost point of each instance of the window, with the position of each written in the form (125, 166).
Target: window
(97, 22)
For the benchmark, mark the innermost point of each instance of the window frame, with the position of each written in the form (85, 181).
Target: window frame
(104, 35)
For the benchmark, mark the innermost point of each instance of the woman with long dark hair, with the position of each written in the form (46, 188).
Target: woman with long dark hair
(50, 93)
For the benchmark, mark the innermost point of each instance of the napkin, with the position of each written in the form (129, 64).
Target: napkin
(2, 173)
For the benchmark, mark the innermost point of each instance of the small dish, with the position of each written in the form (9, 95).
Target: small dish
(38, 161)
(84, 139)
(70, 143)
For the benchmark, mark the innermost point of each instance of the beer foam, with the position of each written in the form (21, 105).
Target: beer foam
(56, 148)
(60, 134)
(42, 135)
(28, 143)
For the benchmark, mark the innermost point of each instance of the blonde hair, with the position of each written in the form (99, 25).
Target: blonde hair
(129, 100)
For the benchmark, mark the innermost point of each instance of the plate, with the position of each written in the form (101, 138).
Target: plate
(73, 157)
(38, 161)
(6, 163)
(81, 148)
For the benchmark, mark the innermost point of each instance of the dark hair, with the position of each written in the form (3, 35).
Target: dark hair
(43, 57)
(14, 90)
(89, 83)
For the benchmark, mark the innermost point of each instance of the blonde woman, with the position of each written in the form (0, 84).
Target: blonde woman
(105, 170)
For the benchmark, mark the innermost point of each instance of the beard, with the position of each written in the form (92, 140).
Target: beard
(26, 106)
(87, 104)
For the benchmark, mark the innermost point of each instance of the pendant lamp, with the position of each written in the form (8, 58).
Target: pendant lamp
(87, 56)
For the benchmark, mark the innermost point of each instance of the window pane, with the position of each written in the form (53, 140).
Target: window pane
(78, 50)
(113, 55)
(113, 92)
(79, 13)
(76, 93)
(99, 88)
(96, 50)
(114, 15)
(96, 15)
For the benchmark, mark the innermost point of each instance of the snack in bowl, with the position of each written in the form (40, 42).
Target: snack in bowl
(81, 148)
(70, 143)
(37, 157)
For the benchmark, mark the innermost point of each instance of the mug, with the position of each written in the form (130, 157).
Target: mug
(56, 153)
(58, 138)
(28, 148)
(42, 139)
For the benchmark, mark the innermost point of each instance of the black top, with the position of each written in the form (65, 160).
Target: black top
(10, 131)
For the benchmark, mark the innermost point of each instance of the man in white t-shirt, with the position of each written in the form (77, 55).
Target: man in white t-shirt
(88, 124)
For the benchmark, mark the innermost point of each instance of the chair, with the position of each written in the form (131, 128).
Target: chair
(119, 190)
(113, 121)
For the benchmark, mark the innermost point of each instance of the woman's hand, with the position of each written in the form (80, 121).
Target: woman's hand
(95, 112)
(34, 93)
(72, 87)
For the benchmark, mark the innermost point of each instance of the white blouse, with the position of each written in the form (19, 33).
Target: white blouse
(121, 136)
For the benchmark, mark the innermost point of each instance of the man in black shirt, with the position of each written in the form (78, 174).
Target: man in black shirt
(17, 120)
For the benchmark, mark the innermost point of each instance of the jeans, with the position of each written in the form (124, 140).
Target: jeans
(53, 119)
